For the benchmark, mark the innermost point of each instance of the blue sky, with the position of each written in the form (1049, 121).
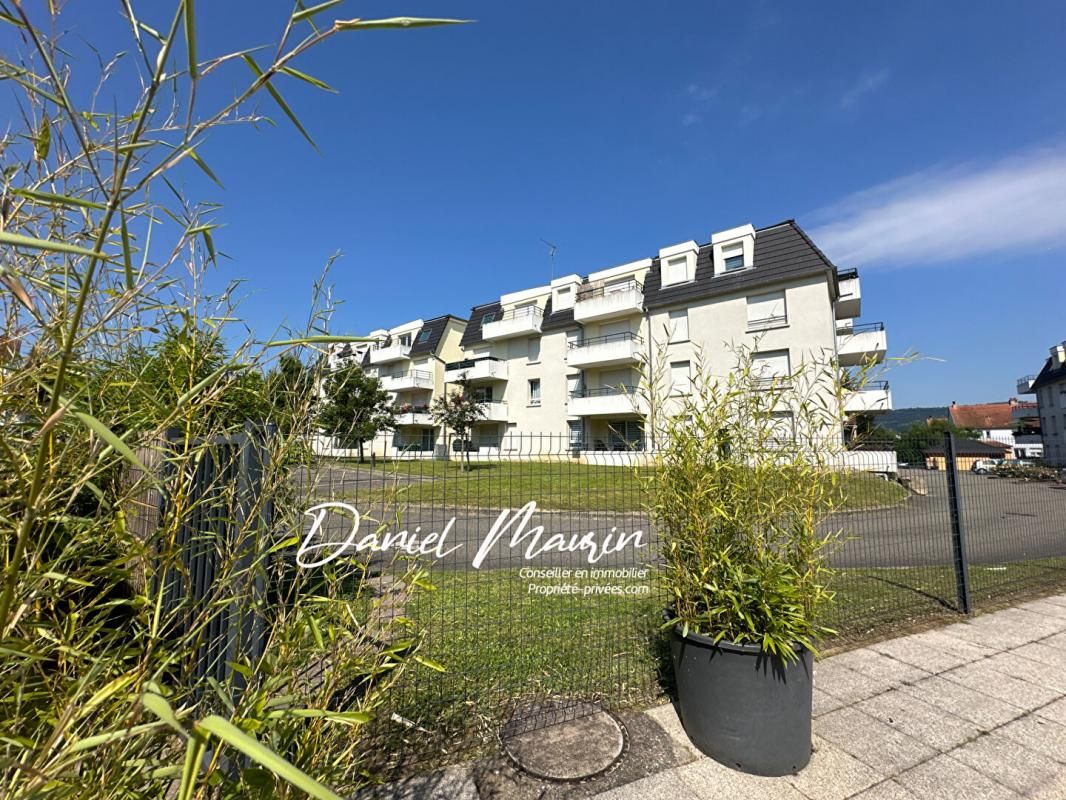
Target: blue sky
(924, 143)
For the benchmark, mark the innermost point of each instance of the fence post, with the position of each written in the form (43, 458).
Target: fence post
(958, 528)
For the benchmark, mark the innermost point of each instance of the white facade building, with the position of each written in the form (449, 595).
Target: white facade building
(1049, 386)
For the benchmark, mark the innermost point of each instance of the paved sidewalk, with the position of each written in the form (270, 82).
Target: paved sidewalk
(972, 710)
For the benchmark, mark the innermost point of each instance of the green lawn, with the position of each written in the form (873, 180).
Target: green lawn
(501, 645)
(563, 485)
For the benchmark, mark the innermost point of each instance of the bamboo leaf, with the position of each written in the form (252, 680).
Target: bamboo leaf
(17, 240)
(343, 717)
(194, 751)
(92, 742)
(42, 143)
(307, 13)
(308, 78)
(190, 36)
(321, 339)
(203, 165)
(108, 435)
(278, 99)
(58, 199)
(396, 22)
(14, 285)
(265, 757)
(127, 251)
(159, 706)
(428, 662)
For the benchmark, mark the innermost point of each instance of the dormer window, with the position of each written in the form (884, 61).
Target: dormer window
(733, 257)
(423, 337)
(678, 263)
(405, 339)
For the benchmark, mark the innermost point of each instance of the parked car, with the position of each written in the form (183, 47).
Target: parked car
(983, 466)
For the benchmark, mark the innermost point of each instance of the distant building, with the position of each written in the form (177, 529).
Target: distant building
(967, 451)
(1011, 423)
(1049, 386)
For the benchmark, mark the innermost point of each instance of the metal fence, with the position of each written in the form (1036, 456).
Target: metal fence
(520, 628)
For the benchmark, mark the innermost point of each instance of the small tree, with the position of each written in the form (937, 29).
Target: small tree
(290, 388)
(355, 408)
(459, 410)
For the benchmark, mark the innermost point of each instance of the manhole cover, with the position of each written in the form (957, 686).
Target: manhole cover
(563, 741)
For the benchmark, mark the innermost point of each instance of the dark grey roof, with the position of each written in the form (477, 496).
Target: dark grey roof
(783, 252)
(436, 328)
(1049, 374)
(472, 334)
(557, 320)
(969, 447)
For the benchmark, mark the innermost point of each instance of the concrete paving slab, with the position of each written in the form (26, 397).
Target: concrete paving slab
(962, 701)
(709, 779)
(1058, 640)
(876, 744)
(1018, 666)
(667, 718)
(1053, 610)
(1009, 763)
(926, 723)
(450, 783)
(1056, 712)
(1039, 734)
(822, 702)
(994, 683)
(888, 790)
(930, 653)
(944, 778)
(886, 670)
(965, 631)
(833, 774)
(1045, 654)
(661, 786)
(846, 684)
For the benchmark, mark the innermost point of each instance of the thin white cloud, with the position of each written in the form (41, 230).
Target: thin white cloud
(691, 118)
(1014, 206)
(701, 93)
(868, 82)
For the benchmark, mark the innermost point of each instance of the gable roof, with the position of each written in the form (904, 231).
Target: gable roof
(1049, 375)
(985, 416)
(783, 252)
(971, 447)
(436, 328)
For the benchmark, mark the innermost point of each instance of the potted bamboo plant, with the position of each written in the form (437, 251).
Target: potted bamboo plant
(744, 480)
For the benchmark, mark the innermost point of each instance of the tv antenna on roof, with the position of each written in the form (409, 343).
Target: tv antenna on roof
(551, 254)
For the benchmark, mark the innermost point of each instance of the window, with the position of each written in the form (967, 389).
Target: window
(767, 311)
(482, 394)
(675, 271)
(533, 350)
(733, 257)
(679, 325)
(784, 427)
(424, 336)
(770, 365)
(534, 391)
(577, 432)
(405, 339)
(680, 377)
(573, 384)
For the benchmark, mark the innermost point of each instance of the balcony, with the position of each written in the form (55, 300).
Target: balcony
(605, 351)
(476, 369)
(859, 344)
(1025, 411)
(414, 415)
(495, 411)
(606, 400)
(874, 398)
(609, 302)
(849, 303)
(1025, 385)
(390, 354)
(414, 379)
(522, 321)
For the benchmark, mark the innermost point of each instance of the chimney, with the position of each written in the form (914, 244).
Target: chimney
(1058, 354)
(1012, 402)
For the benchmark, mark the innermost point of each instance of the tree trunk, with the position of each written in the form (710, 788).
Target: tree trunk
(362, 457)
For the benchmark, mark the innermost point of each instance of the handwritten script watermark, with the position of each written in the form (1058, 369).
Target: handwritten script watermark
(436, 544)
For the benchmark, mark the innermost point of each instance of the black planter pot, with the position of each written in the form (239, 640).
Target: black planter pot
(744, 708)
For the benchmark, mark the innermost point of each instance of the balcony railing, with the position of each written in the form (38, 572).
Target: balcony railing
(513, 322)
(847, 275)
(393, 352)
(604, 391)
(866, 327)
(873, 398)
(849, 302)
(594, 291)
(1025, 384)
(614, 348)
(486, 367)
(413, 379)
(628, 336)
(600, 302)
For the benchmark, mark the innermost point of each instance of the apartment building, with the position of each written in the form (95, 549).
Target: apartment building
(568, 356)
(409, 360)
(1049, 386)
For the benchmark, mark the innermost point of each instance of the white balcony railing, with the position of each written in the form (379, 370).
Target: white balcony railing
(415, 379)
(859, 344)
(603, 351)
(605, 400)
(389, 354)
(495, 411)
(476, 369)
(607, 302)
(849, 301)
(522, 321)
(874, 398)
(421, 417)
